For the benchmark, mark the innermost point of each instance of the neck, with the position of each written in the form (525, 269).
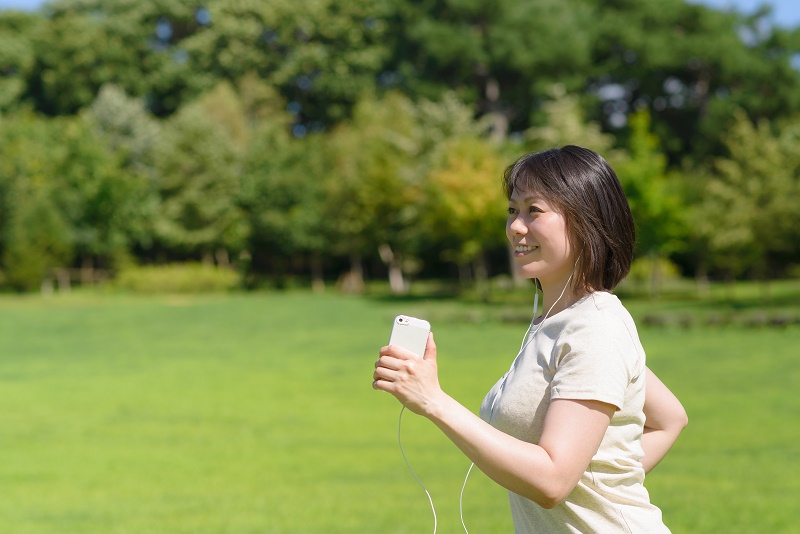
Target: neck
(559, 296)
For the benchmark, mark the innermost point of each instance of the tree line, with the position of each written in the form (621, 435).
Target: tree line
(337, 140)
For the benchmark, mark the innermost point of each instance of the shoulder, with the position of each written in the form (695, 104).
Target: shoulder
(598, 313)
(599, 323)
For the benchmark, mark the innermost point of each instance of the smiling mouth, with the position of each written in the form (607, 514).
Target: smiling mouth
(523, 249)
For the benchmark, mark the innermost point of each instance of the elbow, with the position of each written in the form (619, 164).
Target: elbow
(551, 502)
(550, 497)
(682, 420)
(548, 502)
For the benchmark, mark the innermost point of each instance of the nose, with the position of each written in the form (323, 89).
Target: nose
(516, 226)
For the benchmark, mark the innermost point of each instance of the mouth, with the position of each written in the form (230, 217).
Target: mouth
(521, 250)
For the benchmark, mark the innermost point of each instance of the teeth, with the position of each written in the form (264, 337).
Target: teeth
(524, 248)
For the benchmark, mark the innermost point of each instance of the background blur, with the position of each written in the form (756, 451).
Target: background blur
(211, 211)
(332, 142)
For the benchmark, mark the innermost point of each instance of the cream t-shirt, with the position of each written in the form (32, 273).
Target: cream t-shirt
(589, 351)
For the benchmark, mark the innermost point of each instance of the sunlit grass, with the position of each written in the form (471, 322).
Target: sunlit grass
(254, 413)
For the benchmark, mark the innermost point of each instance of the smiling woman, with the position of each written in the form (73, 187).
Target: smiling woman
(573, 426)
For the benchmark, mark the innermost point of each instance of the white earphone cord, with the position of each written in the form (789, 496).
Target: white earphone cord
(525, 341)
(399, 442)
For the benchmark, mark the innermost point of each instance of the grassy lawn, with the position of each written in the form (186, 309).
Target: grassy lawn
(254, 413)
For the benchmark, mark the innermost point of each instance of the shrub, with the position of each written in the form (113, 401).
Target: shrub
(177, 278)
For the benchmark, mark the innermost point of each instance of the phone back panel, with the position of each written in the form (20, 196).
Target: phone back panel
(410, 333)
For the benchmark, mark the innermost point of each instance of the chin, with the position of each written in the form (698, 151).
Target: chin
(522, 272)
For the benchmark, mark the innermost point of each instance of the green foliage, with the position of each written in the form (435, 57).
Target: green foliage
(283, 195)
(465, 199)
(375, 179)
(36, 238)
(17, 56)
(692, 66)
(653, 191)
(58, 180)
(748, 213)
(198, 164)
(177, 278)
(565, 123)
(287, 136)
(498, 56)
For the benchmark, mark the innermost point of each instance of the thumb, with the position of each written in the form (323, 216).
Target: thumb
(430, 349)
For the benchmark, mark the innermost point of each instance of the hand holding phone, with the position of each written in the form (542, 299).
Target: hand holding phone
(410, 333)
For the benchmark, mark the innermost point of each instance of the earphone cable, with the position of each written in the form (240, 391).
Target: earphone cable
(400, 442)
(525, 341)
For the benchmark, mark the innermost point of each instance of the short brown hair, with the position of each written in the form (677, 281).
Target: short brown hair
(585, 189)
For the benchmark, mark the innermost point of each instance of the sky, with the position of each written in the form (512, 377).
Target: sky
(785, 12)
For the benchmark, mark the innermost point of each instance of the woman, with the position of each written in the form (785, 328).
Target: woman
(578, 420)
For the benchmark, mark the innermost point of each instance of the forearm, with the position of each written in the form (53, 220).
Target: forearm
(656, 443)
(665, 420)
(521, 467)
(545, 472)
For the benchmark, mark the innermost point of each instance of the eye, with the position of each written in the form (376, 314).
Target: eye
(535, 209)
(511, 211)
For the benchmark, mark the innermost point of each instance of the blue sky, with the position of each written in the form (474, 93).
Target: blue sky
(785, 12)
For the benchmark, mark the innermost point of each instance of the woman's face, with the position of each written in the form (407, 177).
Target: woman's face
(538, 237)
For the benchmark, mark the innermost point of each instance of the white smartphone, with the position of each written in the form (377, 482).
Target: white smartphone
(410, 333)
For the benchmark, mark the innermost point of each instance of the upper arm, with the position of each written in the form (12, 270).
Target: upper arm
(572, 433)
(662, 409)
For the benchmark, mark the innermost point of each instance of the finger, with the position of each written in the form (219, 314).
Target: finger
(389, 362)
(398, 352)
(430, 349)
(382, 373)
(381, 385)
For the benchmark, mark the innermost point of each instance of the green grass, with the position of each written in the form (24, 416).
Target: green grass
(254, 413)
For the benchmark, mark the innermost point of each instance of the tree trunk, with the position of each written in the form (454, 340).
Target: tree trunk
(655, 276)
(87, 272)
(317, 282)
(499, 119)
(482, 277)
(397, 283)
(701, 278)
(222, 257)
(353, 280)
(464, 274)
(62, 275)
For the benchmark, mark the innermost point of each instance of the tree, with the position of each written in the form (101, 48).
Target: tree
(320, 55)
(17, 56)
(691, 66)
(376, 187)
(35, 238)
(654, 196)
(199, 164)
(131, 136)
(499, 56)
(565, 123)
(133, 44)
(283, 197)
(465, 204)
(748, 213)
(95, 195)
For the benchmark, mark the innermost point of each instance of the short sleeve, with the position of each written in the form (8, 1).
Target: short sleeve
(595, 360)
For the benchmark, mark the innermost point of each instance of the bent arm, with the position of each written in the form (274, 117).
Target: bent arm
(665, 418)
(545, 473)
